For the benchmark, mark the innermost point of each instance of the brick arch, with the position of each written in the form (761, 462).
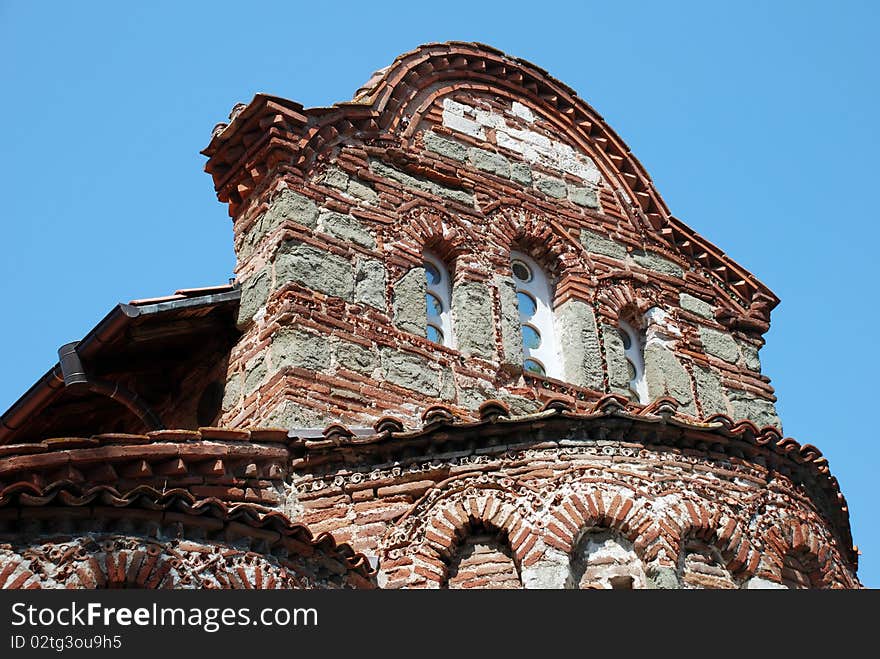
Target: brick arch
(719, 531)
(584, 510)
(427, 227)
(540, 236)
(115, 563)
(623, 300)
(15, 573)
(794, 537)
(453, 518)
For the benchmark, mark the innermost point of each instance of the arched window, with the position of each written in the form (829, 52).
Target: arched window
(534, 299)
(634, 351)
(438, 327)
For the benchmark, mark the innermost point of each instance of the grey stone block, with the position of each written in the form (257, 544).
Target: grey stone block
(232, 392)
(314, 268)
(408, 301)
(369, 285)
(760, 411)
(472, 318)
(618, 372)
(696, 305)
(750, 356)
(552, 187)
(709, 391)
(579, 338)
(444, 147)
(289, 205)
(489, 162)
(597, 244)
(667, 377)
(254, 293)
(521, 173)
(254, 373)
(657, 263)
(295, 347)
(335, 178)
(719, 344)
(663, 578)
(362, 191)
(345, 227)
(355, 357)
(511, 329)
(584, 196)
(409, 371)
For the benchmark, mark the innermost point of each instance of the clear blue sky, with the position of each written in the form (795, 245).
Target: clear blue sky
(756, 120)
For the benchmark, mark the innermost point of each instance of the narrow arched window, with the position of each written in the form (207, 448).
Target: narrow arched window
(534, 299)
(634, 351)
(438, 325)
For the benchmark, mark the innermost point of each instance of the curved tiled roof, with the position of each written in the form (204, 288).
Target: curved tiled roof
(240, 519)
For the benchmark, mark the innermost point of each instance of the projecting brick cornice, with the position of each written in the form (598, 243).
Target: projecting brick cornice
(239, 468)
(272, 134)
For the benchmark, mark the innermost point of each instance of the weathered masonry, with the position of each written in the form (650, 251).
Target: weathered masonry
(467, 346)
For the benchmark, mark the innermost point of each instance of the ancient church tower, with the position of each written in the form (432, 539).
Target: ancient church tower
(467, 346)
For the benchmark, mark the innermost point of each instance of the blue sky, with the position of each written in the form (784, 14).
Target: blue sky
(757, 122)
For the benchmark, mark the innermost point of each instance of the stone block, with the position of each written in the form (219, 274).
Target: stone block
(579, 338)
(511, 328)
(232, 392)
(760, 411)
(345, 227)
(444, 147)
(295, 347)
(521, 173)
(254, 373)
(489, 161)
(657, 263)
(408, 302)
(355, 357)
(472, 319)
(709, 391)
(290, 205)
(696, 305)
(663, 578)
(618, 372)
(750, 357)
(719, 344)
(254, 293)
(552, 187)
(369, 283)
(667, 377)
(314, 268)
(586, 196)
(597, 244)
(409, 371)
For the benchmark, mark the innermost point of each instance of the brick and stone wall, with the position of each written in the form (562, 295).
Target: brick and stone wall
(333, 289)
(462, 151)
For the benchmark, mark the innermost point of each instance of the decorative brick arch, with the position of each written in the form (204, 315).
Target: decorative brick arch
(796, 537)
(15, 574)
(428, 227)
(596, 508)
(546, 241)
(621, 299)
(435, 532)
(117, 562)
(720, 531)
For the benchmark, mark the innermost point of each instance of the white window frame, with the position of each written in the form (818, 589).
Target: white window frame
(636, 355)
(548, 353)
(442, 290)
